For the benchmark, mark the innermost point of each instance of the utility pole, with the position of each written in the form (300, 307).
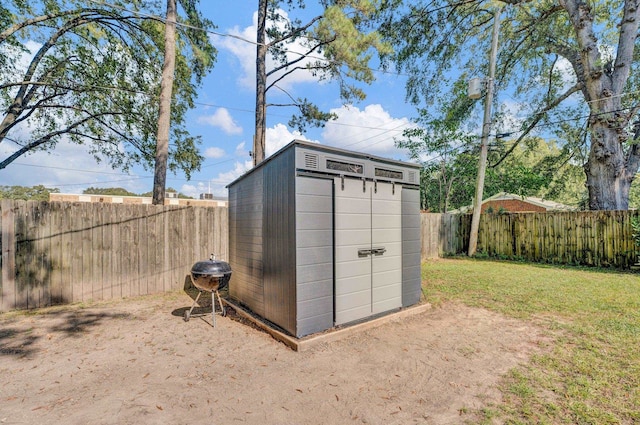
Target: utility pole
(484, 144)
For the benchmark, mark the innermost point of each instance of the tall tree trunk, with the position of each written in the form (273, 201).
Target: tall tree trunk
(609, 169)
(608, 179)
(164, 114)
(259, 138)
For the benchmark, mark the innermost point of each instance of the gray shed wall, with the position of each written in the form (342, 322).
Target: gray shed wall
(411, 246)
(314, 254)
(279, 242)
(246, 241)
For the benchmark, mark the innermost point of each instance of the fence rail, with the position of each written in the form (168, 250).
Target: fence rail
(593, 238)
(58, 252)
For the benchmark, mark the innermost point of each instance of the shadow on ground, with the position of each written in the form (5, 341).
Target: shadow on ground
(21, 341)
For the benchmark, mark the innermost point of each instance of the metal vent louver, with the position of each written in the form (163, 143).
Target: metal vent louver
(412, 177)
(310, 161)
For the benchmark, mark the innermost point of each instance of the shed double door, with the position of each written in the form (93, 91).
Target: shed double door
(368, 248)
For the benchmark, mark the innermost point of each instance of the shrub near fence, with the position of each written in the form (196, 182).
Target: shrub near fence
(60, 252)
(593, 238)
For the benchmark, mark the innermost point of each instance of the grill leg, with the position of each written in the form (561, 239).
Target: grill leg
(221, 305)
(187, 315)
(213, 308)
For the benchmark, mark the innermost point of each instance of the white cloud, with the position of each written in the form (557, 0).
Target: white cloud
(371, 130)
(214, 153)
(217, 185)
(239, 169)
(222, 119)
(240, 149)
(563, 66)
(279, 136)
(246, 55)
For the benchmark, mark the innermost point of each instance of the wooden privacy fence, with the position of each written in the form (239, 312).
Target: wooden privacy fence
(593, 238)
(59, 252)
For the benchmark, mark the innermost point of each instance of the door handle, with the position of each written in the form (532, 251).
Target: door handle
(378, 251)
(363, 252)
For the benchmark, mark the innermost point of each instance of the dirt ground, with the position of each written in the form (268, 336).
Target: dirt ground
(137, 362)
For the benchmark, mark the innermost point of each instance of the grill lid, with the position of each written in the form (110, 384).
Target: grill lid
(211, 267)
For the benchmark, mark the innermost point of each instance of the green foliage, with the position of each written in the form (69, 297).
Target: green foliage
(634, 194)
(35, 193)
(551, 83)
(635, 225)
(337, 44)
(112, 191)
(168, 190)
(538, 168)
(95, 77)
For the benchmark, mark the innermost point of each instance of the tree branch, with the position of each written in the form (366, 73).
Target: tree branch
(626, 45)
(537, 117)
(295, 33)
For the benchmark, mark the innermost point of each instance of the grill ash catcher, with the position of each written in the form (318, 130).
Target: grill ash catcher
(210, 276)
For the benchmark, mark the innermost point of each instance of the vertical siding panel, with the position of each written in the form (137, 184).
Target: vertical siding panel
(8, 243)
(175, 234)
(21, 255)
(87, 249)
(279, 265)
(57, 252)
(66, 246)
(128, 237)
(115, 274)
(75, 252)
(142, 251)
(151, 247)
(43, 253)
(108, 250)
(161, 246)
(411, 220)
(97, 250)
(33, 255)
(3, 260)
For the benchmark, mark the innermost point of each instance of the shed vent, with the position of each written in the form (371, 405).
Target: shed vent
(310, 161)
(382, 172)
(348, 167)
(412, 177)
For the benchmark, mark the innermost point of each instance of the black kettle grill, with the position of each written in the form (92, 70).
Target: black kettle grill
(211, 275)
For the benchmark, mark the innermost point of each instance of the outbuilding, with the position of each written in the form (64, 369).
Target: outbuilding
(320, 237)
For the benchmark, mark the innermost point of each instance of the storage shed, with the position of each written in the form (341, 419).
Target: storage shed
(320, 237)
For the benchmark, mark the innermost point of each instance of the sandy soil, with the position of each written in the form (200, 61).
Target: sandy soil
(137, 362)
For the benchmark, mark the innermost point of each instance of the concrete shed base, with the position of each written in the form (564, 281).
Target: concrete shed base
(331, 335)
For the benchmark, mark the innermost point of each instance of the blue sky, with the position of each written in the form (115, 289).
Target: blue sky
(224, 117)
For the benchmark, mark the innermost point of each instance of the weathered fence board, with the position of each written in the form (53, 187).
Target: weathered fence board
(59, 253)
(593, 238)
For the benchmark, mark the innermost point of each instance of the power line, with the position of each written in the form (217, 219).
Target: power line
(245, 40)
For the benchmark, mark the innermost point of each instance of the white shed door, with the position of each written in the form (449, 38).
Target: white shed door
(368, 248)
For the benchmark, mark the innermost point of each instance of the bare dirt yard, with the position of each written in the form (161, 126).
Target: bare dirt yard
(137, 362)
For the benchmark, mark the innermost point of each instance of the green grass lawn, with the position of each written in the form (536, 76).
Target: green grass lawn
(591, 374)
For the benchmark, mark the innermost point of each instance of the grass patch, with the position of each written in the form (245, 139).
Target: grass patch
(592, 373)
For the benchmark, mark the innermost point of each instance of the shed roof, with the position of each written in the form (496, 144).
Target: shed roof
(325, 148)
